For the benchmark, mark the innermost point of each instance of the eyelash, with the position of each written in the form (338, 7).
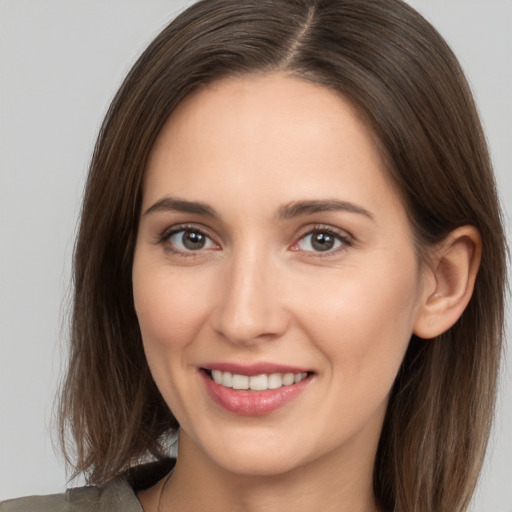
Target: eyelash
(168, 233)
(341, 236)
(344, 239)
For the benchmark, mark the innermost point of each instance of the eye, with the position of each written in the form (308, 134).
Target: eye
(188, 240)
(321, 240)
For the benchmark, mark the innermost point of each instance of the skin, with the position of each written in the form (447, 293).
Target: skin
(259, 291)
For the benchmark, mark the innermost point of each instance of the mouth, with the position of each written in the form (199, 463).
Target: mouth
(256, 394)
(261, 382)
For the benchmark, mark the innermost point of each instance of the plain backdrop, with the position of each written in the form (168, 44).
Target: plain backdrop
(60, 63)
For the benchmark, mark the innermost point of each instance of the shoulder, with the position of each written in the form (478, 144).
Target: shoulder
(116, 496)
(54, 502)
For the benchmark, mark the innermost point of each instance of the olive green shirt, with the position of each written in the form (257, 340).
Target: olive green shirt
(118, 495)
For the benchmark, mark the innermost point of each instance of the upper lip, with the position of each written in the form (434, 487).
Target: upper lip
(253, 368)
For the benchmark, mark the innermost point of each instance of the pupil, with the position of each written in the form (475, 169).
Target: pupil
(322, 241)
(193, 240)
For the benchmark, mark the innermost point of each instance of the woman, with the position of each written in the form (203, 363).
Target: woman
(290, 239)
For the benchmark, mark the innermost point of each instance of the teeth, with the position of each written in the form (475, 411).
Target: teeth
(217, 376)
(275, 380)
(256, 382)
(227, 379)
(240, 381)
(288, 379)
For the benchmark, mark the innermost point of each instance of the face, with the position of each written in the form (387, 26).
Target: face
(275, 278)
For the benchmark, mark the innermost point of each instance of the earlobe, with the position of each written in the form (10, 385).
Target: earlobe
(449, 283)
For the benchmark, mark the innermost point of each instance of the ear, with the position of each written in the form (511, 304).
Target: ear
(448, 282)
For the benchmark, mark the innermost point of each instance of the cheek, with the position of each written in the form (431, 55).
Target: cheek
(169, 315)
(363, 321)
(169, 311)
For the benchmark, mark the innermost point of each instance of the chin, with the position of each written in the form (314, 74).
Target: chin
(253, 452)
(269, 464)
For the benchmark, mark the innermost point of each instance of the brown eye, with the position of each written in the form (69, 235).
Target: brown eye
(321, 240)
(186, 240)
(193, 240)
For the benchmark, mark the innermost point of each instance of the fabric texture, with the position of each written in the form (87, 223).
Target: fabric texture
(118, 495)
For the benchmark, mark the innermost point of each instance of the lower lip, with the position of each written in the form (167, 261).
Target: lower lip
(253, 403)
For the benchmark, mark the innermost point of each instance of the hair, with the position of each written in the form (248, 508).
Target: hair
(395, 68)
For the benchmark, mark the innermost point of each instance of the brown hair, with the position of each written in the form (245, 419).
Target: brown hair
(395, 67)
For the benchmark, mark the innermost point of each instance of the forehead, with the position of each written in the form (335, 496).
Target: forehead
(262, 108)
(269, 133)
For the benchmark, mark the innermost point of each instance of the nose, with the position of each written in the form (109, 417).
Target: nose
(250, 308)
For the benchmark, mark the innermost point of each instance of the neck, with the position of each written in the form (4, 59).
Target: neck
(334, 482)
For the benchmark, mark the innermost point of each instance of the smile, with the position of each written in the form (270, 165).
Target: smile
(260, 382)
(250, 391)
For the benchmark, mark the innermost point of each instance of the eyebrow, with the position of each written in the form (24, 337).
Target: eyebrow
(181, 205)
(299, 208)
(288, 211)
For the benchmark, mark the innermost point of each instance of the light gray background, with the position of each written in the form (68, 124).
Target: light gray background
(60, 63)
